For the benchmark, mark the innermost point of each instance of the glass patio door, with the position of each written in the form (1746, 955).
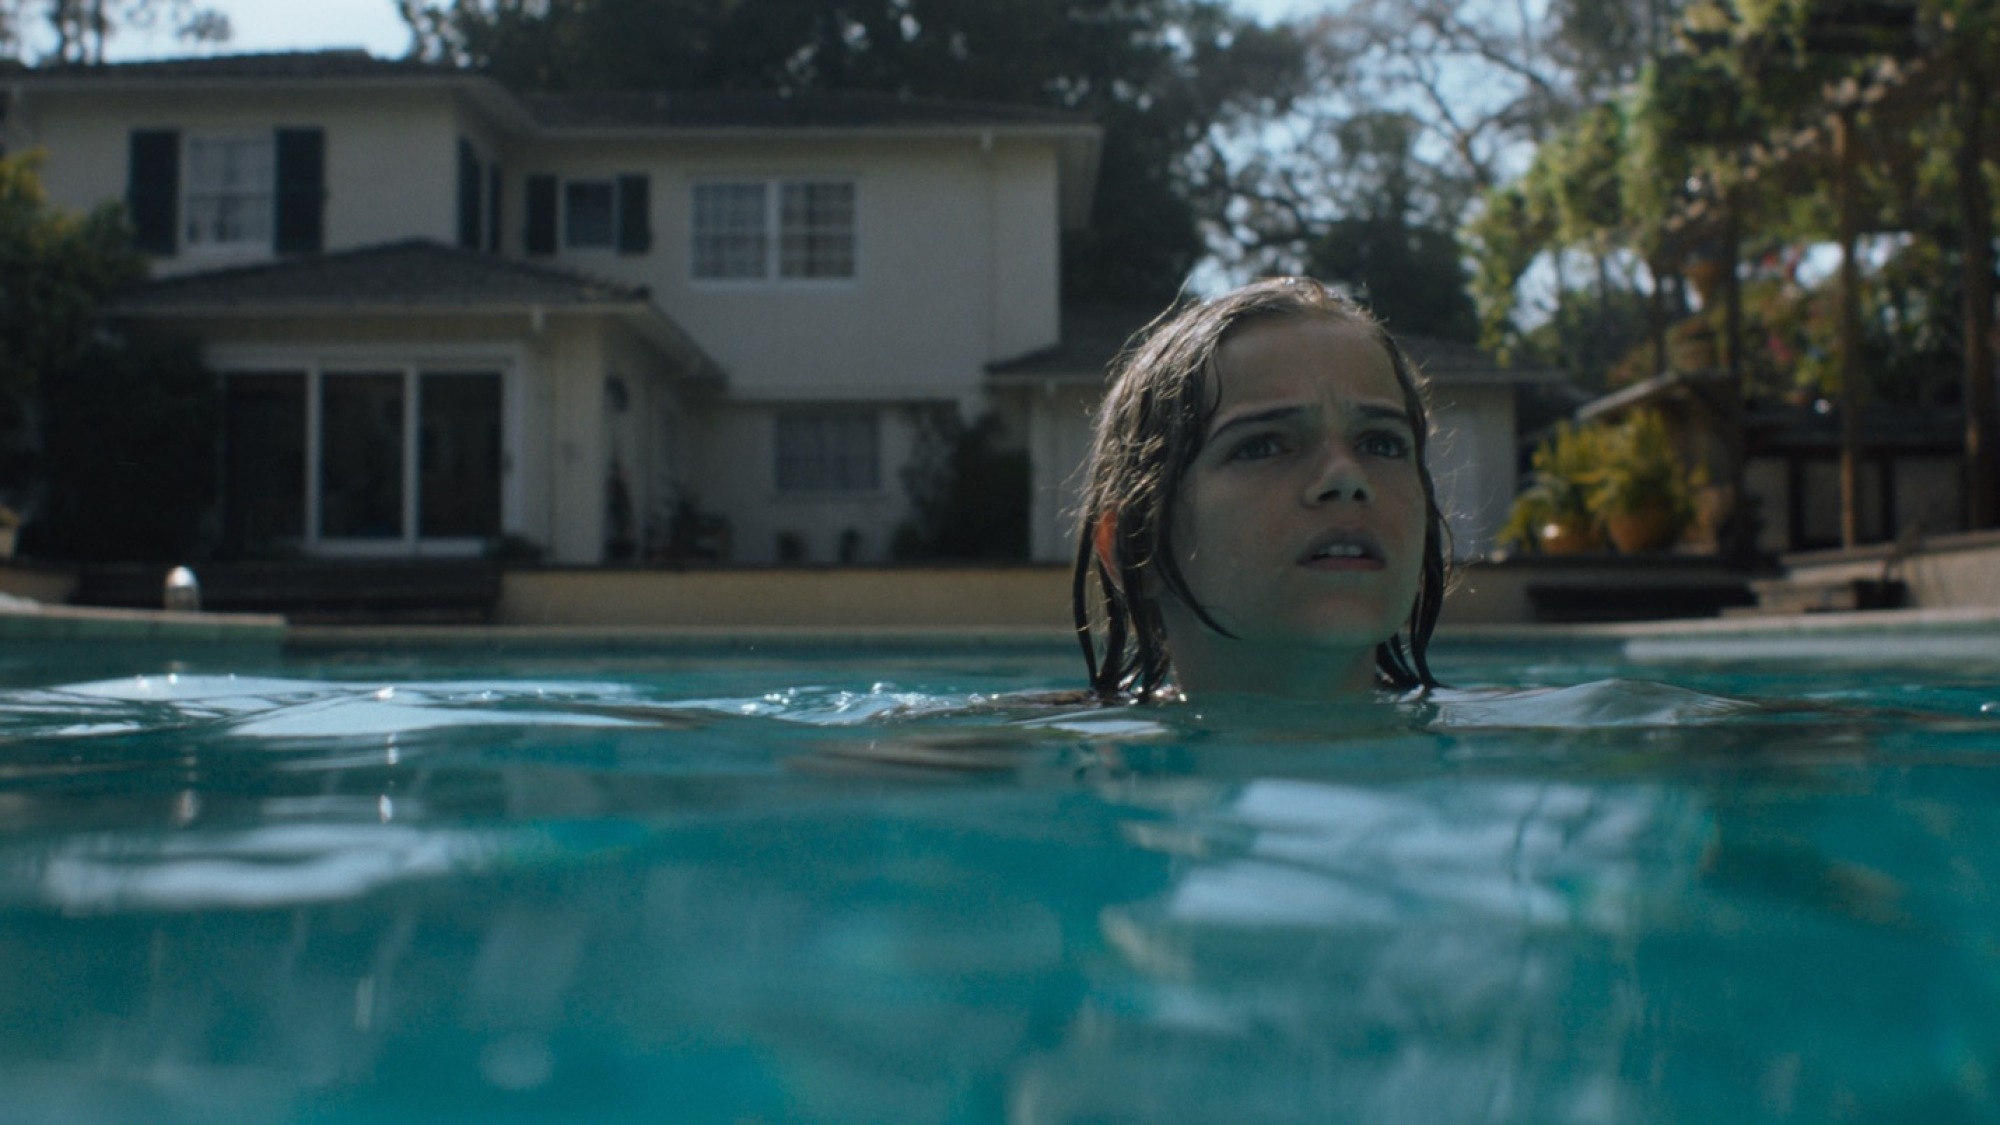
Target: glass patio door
(361, 456)
(458, 455)
(363, 462)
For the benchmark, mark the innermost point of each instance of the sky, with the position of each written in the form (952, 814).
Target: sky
(291, 25)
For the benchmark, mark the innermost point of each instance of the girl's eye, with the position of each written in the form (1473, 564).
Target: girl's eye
(1257, 448)
(1385, 443)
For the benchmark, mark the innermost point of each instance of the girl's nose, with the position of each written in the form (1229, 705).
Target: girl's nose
(1337, 476)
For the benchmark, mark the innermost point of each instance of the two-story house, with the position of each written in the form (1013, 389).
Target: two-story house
(444, 313)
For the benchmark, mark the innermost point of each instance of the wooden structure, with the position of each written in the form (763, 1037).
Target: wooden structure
(1865, 120)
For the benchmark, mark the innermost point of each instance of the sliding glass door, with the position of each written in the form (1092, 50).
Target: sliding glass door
(362, 461)
(458, 455)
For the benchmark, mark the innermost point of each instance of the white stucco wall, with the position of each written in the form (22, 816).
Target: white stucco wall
(1472, 461)
(1026, 249)
(738, 477)
(956, 262)
(1059, 424)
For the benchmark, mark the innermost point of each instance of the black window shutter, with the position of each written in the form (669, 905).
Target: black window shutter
(541, 235)
(469, 187)
(153, 189)
(635, 217)
(494, 182)
(301, 218)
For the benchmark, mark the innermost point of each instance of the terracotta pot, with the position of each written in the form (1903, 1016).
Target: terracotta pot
(1654, 527)
(1564, 537)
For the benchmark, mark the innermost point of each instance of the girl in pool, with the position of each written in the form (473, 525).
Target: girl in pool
(1258, 516)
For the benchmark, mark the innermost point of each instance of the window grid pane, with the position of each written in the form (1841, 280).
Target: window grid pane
(229, 191)
(730, 240)
(816, 224)
(828, 451)
(587, 213)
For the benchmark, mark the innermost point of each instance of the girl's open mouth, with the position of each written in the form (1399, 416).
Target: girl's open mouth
(1347, 548)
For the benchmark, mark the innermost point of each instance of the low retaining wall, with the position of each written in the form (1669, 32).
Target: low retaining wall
(47, 585)
(860, 597)
(1961, 571)
(1028, 596)
(1947, 572)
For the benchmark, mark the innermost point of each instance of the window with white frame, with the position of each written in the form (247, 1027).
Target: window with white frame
(230, 183)
(793, 230)
(832, 450)
(589, 216)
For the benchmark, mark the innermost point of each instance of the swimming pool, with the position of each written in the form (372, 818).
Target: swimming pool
(719, 884)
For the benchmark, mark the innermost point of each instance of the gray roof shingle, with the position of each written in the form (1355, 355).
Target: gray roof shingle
(337, 63)
(744, 109)
(597, 109)
(414, 273)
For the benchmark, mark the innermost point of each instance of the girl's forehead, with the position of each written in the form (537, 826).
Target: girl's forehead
(1304, 356)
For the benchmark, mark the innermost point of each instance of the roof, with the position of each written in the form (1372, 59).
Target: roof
(1093, 336)
(744, 109)
(416, 276)
(1452, 361)
(631, 115)
(416, 273)
(628, 109)
(338, 63)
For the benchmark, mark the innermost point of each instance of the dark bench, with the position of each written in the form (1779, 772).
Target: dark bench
(440, 591)
(1610, 600)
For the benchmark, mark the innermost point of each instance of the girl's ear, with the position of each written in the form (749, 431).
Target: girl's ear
(1104, 542)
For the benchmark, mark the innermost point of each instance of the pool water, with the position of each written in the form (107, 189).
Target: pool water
(874, 886)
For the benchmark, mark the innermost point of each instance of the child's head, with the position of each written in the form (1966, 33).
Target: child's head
(1258, 502)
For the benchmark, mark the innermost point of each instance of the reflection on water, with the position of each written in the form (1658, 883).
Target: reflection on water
(605, 899)
(1438, 951)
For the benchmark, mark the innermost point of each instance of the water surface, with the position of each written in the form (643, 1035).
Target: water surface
(873, 886)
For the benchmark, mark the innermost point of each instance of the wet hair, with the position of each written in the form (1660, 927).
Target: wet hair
(1162, 397)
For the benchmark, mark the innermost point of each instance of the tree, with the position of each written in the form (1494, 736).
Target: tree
(120, 433)
(1406, 265)
(55, 268)
(1162, 77)
(80, 29)
(129, 432)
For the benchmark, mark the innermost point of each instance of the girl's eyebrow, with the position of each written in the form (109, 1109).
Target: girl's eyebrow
(1365, 411)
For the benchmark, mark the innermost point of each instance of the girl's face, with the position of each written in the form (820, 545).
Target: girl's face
(1301, 522)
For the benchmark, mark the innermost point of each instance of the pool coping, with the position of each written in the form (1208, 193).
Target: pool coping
(1890, 634)
(25, 620)
(1873, 635)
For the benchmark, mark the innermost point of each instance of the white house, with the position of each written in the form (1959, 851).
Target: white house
(615, 325)
(444, 313)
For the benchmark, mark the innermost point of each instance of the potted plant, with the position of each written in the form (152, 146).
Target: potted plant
(1553, 514)
(1639, 488)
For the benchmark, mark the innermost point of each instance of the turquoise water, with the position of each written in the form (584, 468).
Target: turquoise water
(868, 886)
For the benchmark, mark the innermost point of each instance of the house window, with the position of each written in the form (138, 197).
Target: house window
(752, 230)
(587, 213)
(594, 214)
(230, 186)
(816, 230)
(729, 240)
(828, 451)
(242, 192)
